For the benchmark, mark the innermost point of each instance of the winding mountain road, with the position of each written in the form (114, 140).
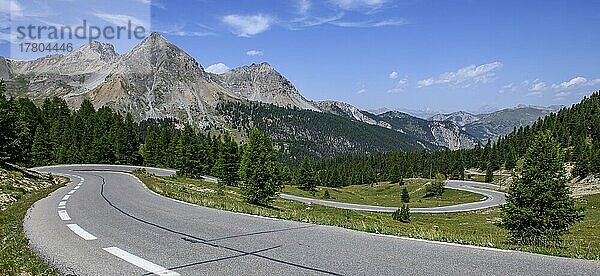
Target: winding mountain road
(109, 223)
(493, 198)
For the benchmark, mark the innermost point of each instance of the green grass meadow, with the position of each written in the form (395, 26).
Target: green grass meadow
(473, 228)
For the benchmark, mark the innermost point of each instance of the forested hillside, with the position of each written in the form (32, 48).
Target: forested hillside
(316, 134)
(362, 153)
(53, 134)
(577, 129)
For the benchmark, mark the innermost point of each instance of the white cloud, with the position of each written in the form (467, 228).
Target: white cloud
(393, 75)
(304, 6)
(254, 53)
(218, 68)
(534, 93)
(248, 25)
(575, 83)
(466, 76)
(307, 21)
(537, 86)
(182, 30)
(370, 23)
(399, 86)
(425, 83)
(354, 4)
(511, 87)
(122, 19)
(361, 91)
(562, 94)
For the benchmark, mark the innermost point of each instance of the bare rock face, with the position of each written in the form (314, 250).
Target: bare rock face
(350, 111)
(445, 134)
(262, 83)
(156, 79)
(4, 74)
(460, 118)
(496, 124)
(451, 136)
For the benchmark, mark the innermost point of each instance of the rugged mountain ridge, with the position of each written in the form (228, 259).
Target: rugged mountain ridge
(495, 124)
(444, 134)
(157, 79)
(262, 83)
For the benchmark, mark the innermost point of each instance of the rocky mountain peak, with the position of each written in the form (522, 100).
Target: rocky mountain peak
(95, 50)
(156, 40)
(395, 114)
(156, 53)
(264, 66)
(261, 82)
(256, 68)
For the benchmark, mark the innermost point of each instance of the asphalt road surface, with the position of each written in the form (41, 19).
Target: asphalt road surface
(108, 223)
(493, 198)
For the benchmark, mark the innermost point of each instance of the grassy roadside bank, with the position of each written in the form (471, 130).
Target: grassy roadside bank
(474, 228)
(386, 194)
(20, 191)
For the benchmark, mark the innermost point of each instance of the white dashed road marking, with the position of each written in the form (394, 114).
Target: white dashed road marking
(80, 232)
(71, 192)
(139, 262)
(66, 197)
(76, 187)
(63, 215)
(62, 203)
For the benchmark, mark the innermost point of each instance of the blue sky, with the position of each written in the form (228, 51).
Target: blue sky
(414, 54)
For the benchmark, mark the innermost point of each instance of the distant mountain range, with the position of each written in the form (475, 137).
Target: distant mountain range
(156, 79)
(496, 124)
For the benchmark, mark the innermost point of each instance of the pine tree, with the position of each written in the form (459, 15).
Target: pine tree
(287, 176)
(227, 164)
(436, 188)
(40, 150)
(396, 174)
(489, 174)
(28, 117)
(259, 170)
(511, 161)
(128, 144)
(187, 144)
(405, 195)
(402, 214)
(305, 176)
(539, 208)
(151, 147)
(7, 125)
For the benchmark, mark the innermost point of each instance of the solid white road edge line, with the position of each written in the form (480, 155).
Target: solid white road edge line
(139, 262)
(63, 215)
(80, 232)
